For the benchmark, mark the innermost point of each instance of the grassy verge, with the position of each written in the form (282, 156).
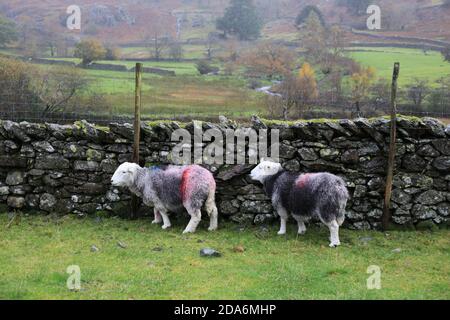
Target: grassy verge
(36, 251)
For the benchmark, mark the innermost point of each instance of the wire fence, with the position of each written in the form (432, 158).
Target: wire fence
(106, 99)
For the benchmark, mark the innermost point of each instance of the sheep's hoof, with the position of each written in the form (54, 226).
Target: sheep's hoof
(212, 228)
(335, 245)
(156, 222)
(165, 227)
(187, 231)
(281, 233)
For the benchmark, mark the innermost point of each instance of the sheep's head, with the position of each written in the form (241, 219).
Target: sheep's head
(125, 175)
(264, 170)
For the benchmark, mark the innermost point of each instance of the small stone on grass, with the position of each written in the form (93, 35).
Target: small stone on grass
(208, 252)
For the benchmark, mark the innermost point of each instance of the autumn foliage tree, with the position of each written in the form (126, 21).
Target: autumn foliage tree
(268, 60)
(298, 91)
(360, 84)
(89, 51)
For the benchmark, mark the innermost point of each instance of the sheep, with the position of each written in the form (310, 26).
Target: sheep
(322, 195)
(172, 189)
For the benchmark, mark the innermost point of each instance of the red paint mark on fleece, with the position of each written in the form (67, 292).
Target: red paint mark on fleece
(303, 180)
(184, 184)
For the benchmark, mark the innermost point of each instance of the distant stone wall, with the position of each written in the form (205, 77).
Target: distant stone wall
(67, 168)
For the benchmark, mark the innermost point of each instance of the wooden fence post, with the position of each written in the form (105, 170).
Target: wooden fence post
(137, 132)
(386, 217)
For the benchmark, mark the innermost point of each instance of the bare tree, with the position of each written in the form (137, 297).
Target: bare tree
(56, 86)
(418, 91)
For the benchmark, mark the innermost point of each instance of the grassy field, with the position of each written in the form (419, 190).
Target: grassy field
(413, 63)
(154, 264)
(191, 94)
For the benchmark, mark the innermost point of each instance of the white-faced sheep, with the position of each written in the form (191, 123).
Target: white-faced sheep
(172, 189)
(322, 195)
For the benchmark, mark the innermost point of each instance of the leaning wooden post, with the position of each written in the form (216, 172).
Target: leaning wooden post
(386, 217)
(137, 131)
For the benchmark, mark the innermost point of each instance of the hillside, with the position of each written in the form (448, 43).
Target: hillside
(134, 21)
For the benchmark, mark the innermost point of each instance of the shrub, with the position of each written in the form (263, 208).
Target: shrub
(204, 67)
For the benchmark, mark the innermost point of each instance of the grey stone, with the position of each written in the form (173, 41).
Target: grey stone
(208, 253)
(414, 163)
(369, 149)
(90, 166)
(109, 165)
(443, 146)
(308, 154)
(4, 191)
(52, 162)
(350, 156)
(360, 191)
(255, 207)
(15, 178)
(16, 202)
(329, 154)
(43, 146)
(443, 209)
(47, 202)
(263, 219)
(442, 163)
(430, 197)
(401, 219)
(400, 197)
(292, 165)
(227, 208)
(427, 151)
(423, 212)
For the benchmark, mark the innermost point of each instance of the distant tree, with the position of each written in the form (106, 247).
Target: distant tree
(112, 53)
(210, 46)
(15, 88)
(57, 86)
(356, 7)
(446, 53)
(240, 19)
(381, 92)
(360, 84)
(307, 87)
(306, 11)
(89, 51)
(313, 37)
(418, 91)
(298, 92)
(176, 50)
(8, 32)
(268, 60)
(204, 67)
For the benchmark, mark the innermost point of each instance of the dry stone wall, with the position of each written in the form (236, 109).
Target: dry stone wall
(67, 168)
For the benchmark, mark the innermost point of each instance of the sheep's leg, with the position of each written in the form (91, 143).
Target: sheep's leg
(211, 208)
(301, 224)
(165, 218)
(158, 217)
(283, 218)
(334, 233)
(196, 217)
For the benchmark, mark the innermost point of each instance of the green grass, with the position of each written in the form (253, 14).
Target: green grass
(413, 63)
(36, 251)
